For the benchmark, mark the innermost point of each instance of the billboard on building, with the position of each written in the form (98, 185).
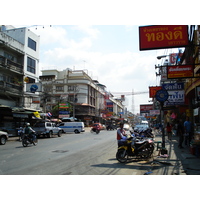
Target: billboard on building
(173, 86)
(176, 97)
(153, 90)
(174, 58)
(180, 71)
(163, 36)
(145, 108)
(33, 87)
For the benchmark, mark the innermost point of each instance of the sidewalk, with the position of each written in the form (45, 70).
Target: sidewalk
(178, 162)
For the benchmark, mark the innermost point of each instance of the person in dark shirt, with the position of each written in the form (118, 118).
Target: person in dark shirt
(180, 132)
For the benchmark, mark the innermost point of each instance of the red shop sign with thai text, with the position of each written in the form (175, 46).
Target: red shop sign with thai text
(180, 71)
(163, 36)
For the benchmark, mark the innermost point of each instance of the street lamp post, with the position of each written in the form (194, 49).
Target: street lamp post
(162, 96)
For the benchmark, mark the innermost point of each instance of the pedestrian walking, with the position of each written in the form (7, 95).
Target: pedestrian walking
(180, 132)
(188, 131)
(169, 131)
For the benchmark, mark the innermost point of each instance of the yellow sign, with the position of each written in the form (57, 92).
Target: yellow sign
(37, 114)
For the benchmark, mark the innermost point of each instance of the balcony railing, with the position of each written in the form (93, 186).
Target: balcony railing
(13, 66)
(10, 87)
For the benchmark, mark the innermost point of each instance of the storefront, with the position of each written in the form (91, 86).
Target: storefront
(13, 118)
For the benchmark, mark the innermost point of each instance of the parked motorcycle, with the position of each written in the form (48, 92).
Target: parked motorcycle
(135, 147)
(28, 139)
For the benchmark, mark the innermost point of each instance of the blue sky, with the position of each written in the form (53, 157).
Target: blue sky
(110, 53)
(102, 37)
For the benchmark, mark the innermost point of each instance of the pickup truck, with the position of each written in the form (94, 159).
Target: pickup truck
(47, 129)
(3, 137)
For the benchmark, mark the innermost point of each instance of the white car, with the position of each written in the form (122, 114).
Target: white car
(3, 137)
(47, 129)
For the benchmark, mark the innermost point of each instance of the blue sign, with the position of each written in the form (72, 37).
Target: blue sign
(33, 88)
(173, 86)
(162, 95)
(64, 112)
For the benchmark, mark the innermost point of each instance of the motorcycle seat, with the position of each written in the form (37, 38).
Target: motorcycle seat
(140, 142)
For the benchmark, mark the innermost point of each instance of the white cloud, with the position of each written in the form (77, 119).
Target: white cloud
(124, 71)
(90, 31)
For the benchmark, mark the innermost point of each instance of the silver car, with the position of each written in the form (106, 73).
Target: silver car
(3, 137)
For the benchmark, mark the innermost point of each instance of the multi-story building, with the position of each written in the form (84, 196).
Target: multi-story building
(19, 58)
(88, 97)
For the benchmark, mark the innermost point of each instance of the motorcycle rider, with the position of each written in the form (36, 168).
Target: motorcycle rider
(95, 127)
(121, 133)
(20, 133)
(29, 131)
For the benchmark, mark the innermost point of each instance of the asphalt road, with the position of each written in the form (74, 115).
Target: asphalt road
(72, 154)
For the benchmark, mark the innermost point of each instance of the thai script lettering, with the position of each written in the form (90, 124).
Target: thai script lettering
(176, 95)
(176, 69)
(173, 86)
(155, 29)
(160, 36)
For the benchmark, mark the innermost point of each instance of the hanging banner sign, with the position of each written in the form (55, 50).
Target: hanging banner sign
(180, 71)
(145, 108)
(163, 36)
(176, 97)
(154, 112)
(153, 90)
(173, 86)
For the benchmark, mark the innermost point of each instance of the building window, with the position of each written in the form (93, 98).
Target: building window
(31, 65)
(31, 80)
(59, 88)
(31, 44)
(9, 56)
(72, 88)
(47, 89)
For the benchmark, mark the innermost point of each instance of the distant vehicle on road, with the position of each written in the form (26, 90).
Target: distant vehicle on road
(102, 127)
(47, 129)
(75, 127)
(3, 137)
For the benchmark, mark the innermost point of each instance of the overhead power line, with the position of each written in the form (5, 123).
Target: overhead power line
(129, 93)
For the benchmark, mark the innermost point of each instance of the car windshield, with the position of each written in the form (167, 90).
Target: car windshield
(41, 124)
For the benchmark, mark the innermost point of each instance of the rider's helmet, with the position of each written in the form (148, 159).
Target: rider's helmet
(27, 124)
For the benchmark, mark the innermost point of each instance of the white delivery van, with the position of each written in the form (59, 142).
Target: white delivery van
(69, 127)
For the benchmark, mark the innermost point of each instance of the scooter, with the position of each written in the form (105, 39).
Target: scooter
(28, 139)
(95, 130)
(135, 147)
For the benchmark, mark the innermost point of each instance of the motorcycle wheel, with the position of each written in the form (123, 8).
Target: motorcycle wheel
(35, 142)
(59, 133)
(97, 131)
(122, 155)
(24, 143)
